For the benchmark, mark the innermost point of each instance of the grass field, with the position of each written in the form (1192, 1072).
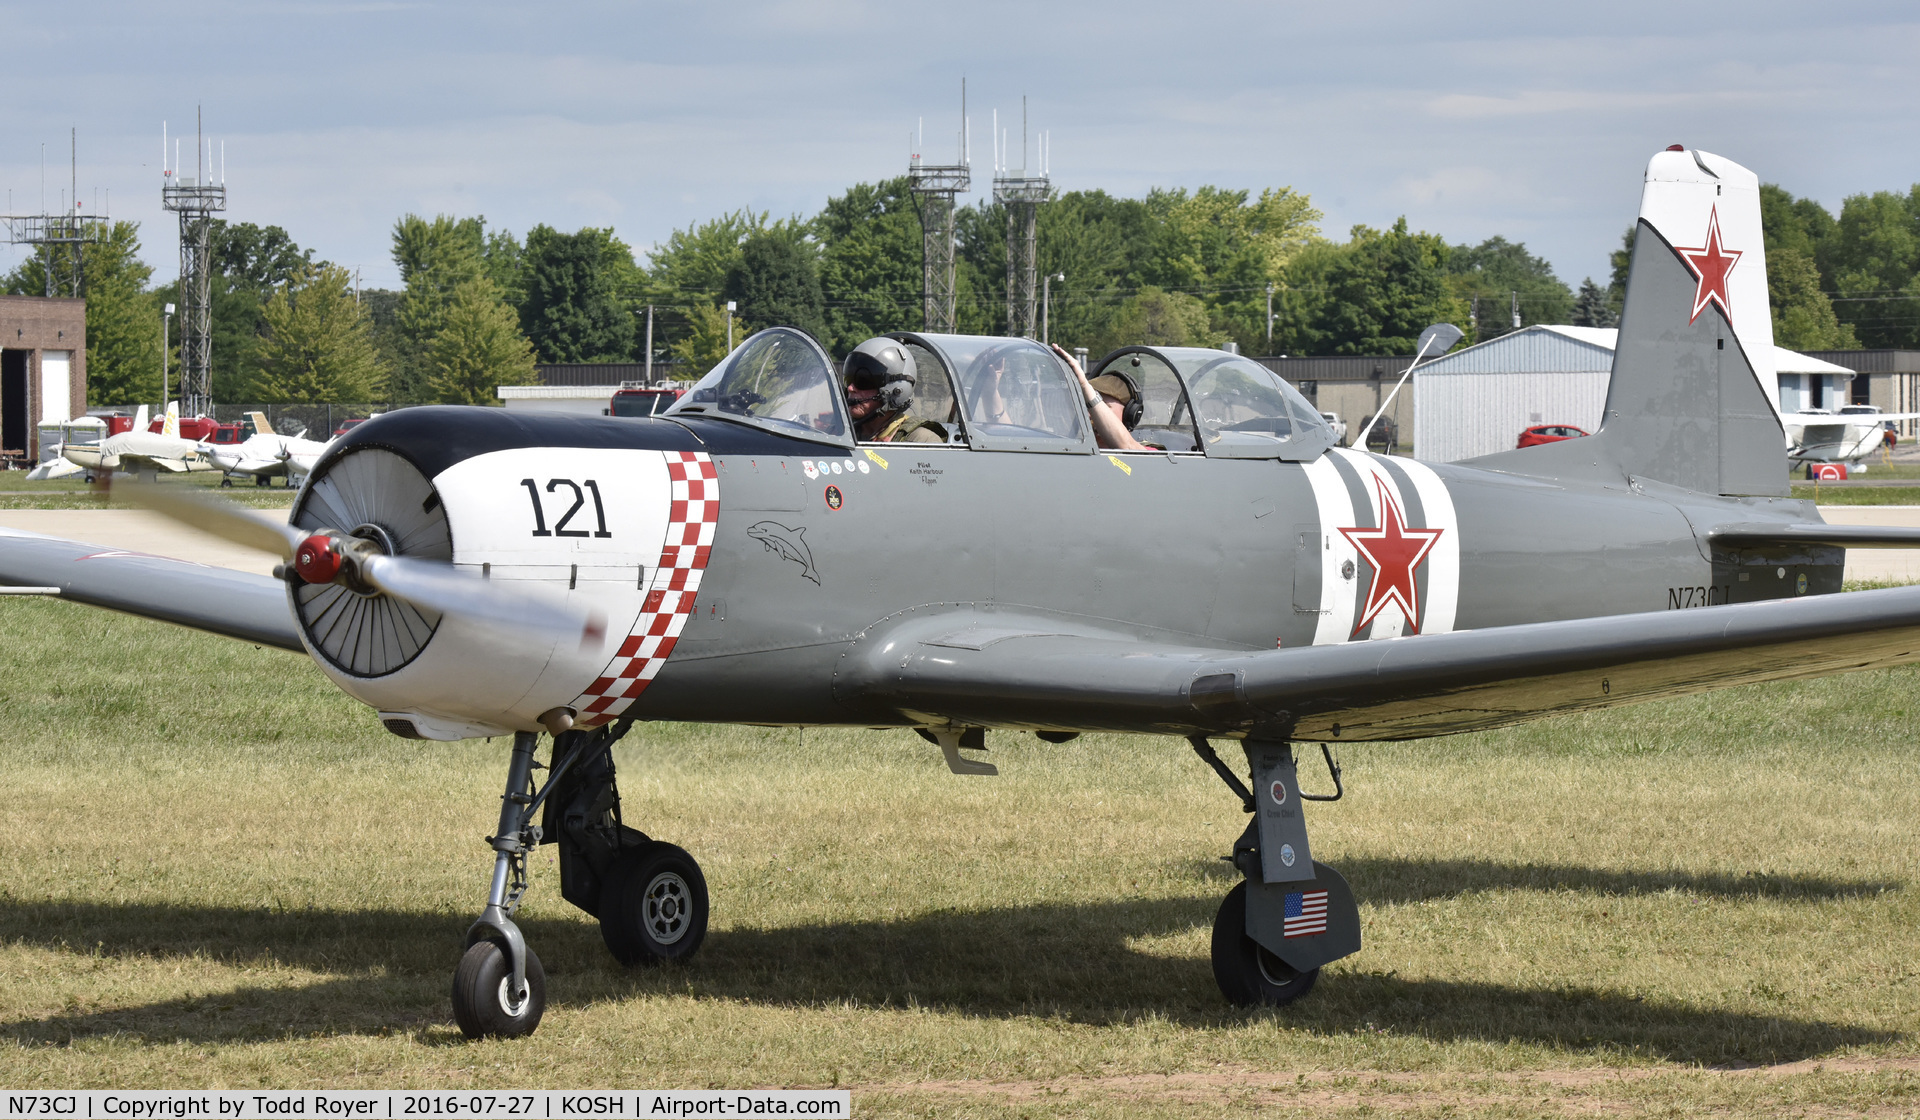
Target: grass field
(224, 874)
(17, 493)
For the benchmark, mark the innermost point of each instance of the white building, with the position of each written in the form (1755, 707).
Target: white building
(1476, 401)
(585, 400)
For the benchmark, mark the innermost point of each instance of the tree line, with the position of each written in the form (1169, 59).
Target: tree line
(479, 307)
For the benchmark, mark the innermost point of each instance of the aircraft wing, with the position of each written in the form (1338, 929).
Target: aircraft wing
(1004, 669)
(252, 608)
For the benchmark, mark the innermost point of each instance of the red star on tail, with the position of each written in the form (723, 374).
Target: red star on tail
(1395, 552)
(1711, 266)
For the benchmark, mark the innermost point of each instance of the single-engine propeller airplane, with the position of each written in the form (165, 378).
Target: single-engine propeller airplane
(743, 558)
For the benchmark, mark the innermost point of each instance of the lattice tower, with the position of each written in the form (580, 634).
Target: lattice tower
(196, 201)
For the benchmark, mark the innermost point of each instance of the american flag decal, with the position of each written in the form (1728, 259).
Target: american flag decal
(1306, 914)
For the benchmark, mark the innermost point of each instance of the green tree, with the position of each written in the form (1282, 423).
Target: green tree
(479, 347)
(1621, 260)
(1494, 273)
(1154, 317)
(870, 274)
(1803, 316)
(776, 284)
(704, 341)
(1372, 295)
(573, 311)
(318, 346)
(1871, 264)
(1592, 308)
(435, 258)
(123, 318)
(1098, 243)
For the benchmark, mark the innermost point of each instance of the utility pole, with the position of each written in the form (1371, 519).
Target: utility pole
(1046, 303)
(731, 308)
(1516, 310)
(649, 373)
(166, 344)
(1269, 318)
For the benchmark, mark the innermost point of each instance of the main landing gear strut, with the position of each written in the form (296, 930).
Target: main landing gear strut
(650, 897)
(1291, 915)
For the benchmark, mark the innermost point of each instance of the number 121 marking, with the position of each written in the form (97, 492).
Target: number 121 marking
(579, 500)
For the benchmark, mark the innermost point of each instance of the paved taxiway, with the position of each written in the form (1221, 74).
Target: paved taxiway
(142, 531)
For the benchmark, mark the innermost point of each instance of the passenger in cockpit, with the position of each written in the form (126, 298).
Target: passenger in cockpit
(1113, 405)
(879, 380)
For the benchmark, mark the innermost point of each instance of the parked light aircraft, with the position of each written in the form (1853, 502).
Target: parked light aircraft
(1817, 435)
(265, 455)
(140, 451)
(742, 559)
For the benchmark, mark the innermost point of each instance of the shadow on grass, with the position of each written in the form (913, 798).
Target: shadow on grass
(1419, 880)
(389, 972)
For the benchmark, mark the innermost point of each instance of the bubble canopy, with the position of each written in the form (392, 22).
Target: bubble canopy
(778, 379)
(1239, 409)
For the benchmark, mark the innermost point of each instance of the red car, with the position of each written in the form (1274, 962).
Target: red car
(1548, 433)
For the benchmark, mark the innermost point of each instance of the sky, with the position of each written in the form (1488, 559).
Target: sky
(1531, 121)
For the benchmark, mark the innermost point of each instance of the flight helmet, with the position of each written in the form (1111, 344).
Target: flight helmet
(883, 364)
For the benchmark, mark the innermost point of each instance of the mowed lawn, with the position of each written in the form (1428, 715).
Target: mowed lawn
(222, 872)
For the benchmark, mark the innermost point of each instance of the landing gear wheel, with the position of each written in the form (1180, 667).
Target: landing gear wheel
(654, 906)
(483, 1007)
(1249, 975)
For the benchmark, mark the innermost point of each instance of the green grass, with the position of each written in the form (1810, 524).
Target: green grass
(223, 873)
(64, 493)
(1859, 495)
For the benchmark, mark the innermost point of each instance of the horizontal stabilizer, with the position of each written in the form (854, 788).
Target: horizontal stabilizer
(1761, 534)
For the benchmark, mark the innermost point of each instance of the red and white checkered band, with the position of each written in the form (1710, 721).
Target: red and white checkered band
(670, 591)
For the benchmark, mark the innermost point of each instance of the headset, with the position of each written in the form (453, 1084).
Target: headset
(1136, 403)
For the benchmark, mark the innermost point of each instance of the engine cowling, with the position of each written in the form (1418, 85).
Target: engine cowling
(622, 531)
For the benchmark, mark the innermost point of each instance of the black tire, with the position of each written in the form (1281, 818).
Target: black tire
(480, 1003)
(654, 906)
(1249, 975)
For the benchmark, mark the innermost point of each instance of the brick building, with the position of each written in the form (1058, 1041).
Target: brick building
(43, 369)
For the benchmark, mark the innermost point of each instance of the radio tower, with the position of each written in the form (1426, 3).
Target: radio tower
(1022, 195)
(196, 200)
(934, 188)
(60, 234)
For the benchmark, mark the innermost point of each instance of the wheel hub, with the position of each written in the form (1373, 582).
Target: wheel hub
(666, 907)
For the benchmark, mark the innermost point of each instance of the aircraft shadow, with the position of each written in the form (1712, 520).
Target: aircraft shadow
(389, 971)
(1385, 880)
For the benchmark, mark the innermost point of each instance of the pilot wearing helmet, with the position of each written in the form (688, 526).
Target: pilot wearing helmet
(1114, 405)
(879, 379)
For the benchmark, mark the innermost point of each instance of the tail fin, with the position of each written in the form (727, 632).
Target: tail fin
(140, 420)
(1693, 401)
(261, 425)
(171, 425)
(1694, 396)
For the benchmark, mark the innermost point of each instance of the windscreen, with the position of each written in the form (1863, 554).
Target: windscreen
(777, 379)
(1013, 387)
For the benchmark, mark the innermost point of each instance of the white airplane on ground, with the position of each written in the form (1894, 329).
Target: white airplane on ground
(265, 455)
(1816, 435)
(140, 451)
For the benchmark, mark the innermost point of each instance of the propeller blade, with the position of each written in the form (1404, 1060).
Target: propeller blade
(443, 588)
(209, 514)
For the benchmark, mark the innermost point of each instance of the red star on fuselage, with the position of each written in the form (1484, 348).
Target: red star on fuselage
(1395, 552)
(1711, 266)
